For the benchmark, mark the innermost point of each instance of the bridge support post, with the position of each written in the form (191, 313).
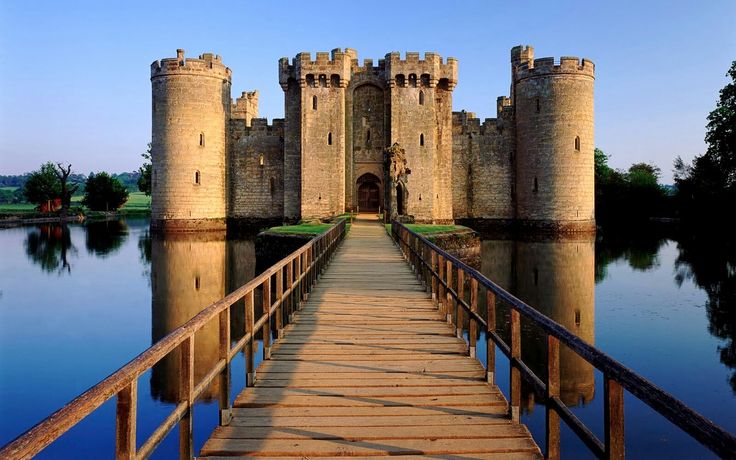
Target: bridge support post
(553, 390)
(250, 372)
(267, 311)
(515, 384)
(186, 393)
(435, 268)
(225, 383)
(125, 422)
(613, 415)
(280, 300)
(458, 306)
(490, 330)
(472, 323)
(448, 296)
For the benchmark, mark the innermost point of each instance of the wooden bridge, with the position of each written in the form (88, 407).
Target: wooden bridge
(369, 362)
(370, 367)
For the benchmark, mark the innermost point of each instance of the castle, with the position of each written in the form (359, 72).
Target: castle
(373, 137)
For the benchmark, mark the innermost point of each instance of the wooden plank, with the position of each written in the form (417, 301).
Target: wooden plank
(251, 400)
(362, 433)
(365, 382)
(368, 420)
(476, 456)
(319, 448)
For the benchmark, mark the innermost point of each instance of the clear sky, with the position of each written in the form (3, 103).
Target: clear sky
(74, 75)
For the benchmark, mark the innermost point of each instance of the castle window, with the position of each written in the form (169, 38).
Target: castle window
(424, 79)
(197, 178)
(536, 186)
(335, 80)
(577, 318)
(196, 283)
(261, 160)
(329, 138)
(310, 80)
(272, 186)
(421, 139)
(538, 106)
(368, 139)
(201, 139)
(400, 80)
(413, 80)
(314, 102)
(421, 97)
(323, 80)
(577, 143)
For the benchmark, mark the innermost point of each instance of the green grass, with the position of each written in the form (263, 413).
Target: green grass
(301, 229)
(426, 229)
(17, 208)
(137, 201)
(9, 189)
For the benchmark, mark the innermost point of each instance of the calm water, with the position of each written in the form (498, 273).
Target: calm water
(78, 302)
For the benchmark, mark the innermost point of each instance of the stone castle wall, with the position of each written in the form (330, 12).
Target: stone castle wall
(213, 158)
(191, 103)
(256, 170)
(554, 135)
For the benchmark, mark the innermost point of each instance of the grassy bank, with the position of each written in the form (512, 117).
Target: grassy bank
(300, 229)
(428, 229)
(138, 203)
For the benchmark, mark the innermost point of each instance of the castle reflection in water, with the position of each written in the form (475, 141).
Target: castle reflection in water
(557, 277)
(190, 271)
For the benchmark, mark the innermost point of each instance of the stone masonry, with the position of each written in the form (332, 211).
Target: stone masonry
(215, 160)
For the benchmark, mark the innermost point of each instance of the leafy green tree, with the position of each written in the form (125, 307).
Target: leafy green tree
(144, 181)
(104, 193)
(707, 187)
(42, 185)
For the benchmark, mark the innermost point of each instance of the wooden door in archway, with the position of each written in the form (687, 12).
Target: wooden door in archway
(368, 197)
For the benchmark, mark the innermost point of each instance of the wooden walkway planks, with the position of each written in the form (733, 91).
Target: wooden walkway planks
(369, 368)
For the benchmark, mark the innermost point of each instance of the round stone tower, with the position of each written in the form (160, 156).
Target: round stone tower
(191, 105)
(554, 138)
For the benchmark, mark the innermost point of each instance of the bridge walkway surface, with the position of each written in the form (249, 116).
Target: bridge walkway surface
(370, 368)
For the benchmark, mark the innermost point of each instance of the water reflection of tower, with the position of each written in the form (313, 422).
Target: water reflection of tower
(187, 274)
(557, 277)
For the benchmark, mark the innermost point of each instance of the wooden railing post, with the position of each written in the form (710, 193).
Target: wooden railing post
(472, 323)
(490, 344)
(458, 305)
(267, 311)
(613, 418)
(280, 300)
(250, 372)
(441, 297)
(125, 421)
(299, 284)
(435, 268)
(224, 351)
(515, 373)
(186, 393)
(290, 296)
(553, 390)
(448, 296)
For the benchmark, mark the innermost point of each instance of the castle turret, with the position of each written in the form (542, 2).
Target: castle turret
(554, 135)
(314, 133)
(191, 105)
(421, 122)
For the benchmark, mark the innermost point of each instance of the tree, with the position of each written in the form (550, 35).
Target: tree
(43, 185)
(104, 193)
(721, 130)
(144, 181)
(707, 188)
(67, 190)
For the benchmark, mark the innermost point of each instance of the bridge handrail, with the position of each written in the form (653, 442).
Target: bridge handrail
(294, 277)
(435, 267)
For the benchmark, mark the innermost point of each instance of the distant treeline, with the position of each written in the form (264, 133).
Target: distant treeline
(9, 195)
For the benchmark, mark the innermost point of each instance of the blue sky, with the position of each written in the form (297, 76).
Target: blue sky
(74, 76)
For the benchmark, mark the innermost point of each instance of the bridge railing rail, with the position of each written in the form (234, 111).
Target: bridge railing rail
(291, 279)
(445, 277)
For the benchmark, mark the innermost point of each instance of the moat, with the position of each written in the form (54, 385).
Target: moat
(77, 302)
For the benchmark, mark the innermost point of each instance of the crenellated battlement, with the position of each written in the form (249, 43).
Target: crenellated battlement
(368, 67)
(207, 64)
(331, 69)
(546, 66)
(256, 127)
(245, 107)
(412, 70)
